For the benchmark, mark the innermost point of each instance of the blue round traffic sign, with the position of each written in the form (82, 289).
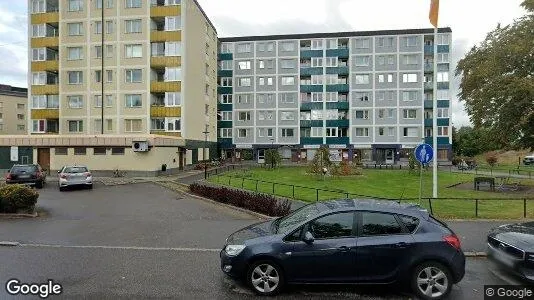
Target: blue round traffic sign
(424, 153)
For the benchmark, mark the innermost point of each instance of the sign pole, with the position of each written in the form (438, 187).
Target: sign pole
(434, 119)
(420, 183)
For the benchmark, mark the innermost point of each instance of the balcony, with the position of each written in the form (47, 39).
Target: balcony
(162, 86)
(337, 123)
(224, 90)
(337, 105)
(224, 107)
(47, 113)
(47, 65)
(311, 88)
(429, 104)
(47, 17)
(224, 124)
(225, 73)
(165, 133)
(344, 52)
(429, 68)
(429, 85)
(165, 36)
(311, 53)
(337, 140)
(337, 88)
(165, 61)
(443, 48)
(165, 11)
(311, 123)
(443, 85)
(225, 56)
(311, 105)
(311, 71)
(442, 140)
(443, 103)
(342, 70)
(164, 111)
(41, 42)
(225, 143)
(429, 49)
(49, 89)
(311, 141)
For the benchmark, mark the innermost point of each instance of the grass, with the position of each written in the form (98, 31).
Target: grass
(390, 184)
(506, 160)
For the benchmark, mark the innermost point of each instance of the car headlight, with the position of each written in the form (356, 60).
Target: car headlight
(233, 250)
(530, 257)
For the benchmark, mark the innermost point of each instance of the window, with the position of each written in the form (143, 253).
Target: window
(331, 132)
(80, 151)
(244, 98)
(75, 101)
(74, 53)
(61, 151)
(262, 132)
(443, 131)
(226, 116)
(332, 226)
(98, 27)
(443, 76)
(39, 54)
(443, 95)
(362, 114)
(134, 75)
(287, 97)
(362, 132)
(109, 76)
(316, 97)
(117, 151)
(361, 78)
(98, 100)
(361, 96)
(226, 81)
(317, 44)
(317, 62)
(132, 125)
(385, 41)
(381, 113)
(39, 30)
(443, 39)
(379, 224)
(134, 51)
(173, 124)
(391, 131)
(109, 27)
(288, 63)
(287, 116)
(98, 76)
(133, 26)
(225, 133)
(391, 113)
(20, 106)
(383, 77)
(173, 99)
(75, 5)
(242, 133)
(409, 78)
(361, 61)
(99, 151)
(98, 51)
(244, 48)
(317, 114)
(133, 101)
(409, 95)
(412, 59)
(109, 101)
(288, 46)
(227, 48)
(225, 65)
(362, 43)
(75, 126)
(75, 28)
(265, 115)
(39, 78)
(410, 131)
(173, 74)
(381, 131)
(443, 57)
(288, 80)
(244, 81)
(410, 41)
(317, 132)
(317, 79)
(332, 96)
(244, 116)
(411, 223)
(443, 112)
(38, 6)
(409, 113)
(173, 23)
(288, 132)
(157, 124)
(109, 3)
(133, 3)
(244, 65)
(38, 101)
(173, 49)
(225, 99)
(331, 61)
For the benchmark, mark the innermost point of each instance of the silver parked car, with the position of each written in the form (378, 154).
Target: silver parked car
(75, 176)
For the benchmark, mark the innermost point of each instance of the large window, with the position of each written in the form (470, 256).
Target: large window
(133, 26)
(39, 78)
(134, 51)
(288, 80)
(134, 75)
(39, 30)
(173, 74)
(133, 3)
(38, 6)
(243, 133)
(173, 23)
(409, 113)
(244, 48)
(133, 100)
(75, 77)
(288, 132)
(361, 79)
(244, 116)
(75, 126)
(74, 53)
(287, 115)
(133, 125)
(362, 132)
(244, 98)
(157, 124)
(288, 63)
(410, 131)
(287, 46)
(409, 95)
(172, 124)
(379, 224)
(443, 131)
(362, 60)
(173, 99)
(225, 133)
(39, 126)
(38, 54)
(317, 132)
(362, 114)
(443, 76)
(75, 5)
(75, 28)
(244, 81)
(332, 226)
(225, 99)
(243, 65)
(173, 48)
(75, 101)
(409, 78)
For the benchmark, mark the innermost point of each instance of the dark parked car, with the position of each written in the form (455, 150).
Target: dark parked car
(26, 174)
(348, 241)
(512, 247)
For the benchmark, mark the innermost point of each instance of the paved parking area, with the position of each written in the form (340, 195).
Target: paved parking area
(143, 241)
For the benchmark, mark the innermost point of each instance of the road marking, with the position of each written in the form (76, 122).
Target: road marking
(121, 248)
(8, 244)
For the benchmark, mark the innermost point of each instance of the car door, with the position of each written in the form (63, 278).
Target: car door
(384, 245)
(331, 256)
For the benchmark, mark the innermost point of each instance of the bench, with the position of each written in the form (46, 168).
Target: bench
(479, 180)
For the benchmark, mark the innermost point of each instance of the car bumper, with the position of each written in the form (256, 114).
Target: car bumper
(26, 182)
(458, 266)
(233, 266)
(66, 183)
(520, 267)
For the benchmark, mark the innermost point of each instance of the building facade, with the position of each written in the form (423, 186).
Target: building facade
(367, 96)
(13, 109)
(111, 77)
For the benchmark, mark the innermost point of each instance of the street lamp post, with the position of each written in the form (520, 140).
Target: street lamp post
(272, 154)
(205, 132)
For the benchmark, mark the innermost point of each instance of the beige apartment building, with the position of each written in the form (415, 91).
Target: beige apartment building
(13, 109)
(157, 62)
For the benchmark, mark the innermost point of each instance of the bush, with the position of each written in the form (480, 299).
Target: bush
(491, 159)
(264, 204)
(17, 198)
(344, 168)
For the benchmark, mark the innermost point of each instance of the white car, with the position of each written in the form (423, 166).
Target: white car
(75, 176)
(529, 159)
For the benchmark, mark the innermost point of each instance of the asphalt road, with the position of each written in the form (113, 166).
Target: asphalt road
(142, 241)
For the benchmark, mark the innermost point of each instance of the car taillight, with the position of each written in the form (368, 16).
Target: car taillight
(63, 176)
(87, 174)
(453, 240)
(8, 176)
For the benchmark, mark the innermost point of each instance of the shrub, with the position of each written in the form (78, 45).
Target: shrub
(261, 203)
(491, 159)
(345, 168)
(17, 198)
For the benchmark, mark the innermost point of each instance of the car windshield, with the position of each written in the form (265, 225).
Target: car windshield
(288, 222)
(74, 170)
(23, 169)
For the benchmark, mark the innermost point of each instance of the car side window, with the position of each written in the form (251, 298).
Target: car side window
(295, 236)
(375, 223)
(411, 223)
(332, 226)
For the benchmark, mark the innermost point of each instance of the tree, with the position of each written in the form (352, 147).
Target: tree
(469, 141)
(497, 82)
(320, 161)
(273, 158)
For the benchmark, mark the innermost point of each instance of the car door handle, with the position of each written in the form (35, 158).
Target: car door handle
(343, 249)
(401, 245)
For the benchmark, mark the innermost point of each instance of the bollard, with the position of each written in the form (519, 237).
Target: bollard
(525, 208)
(317, 199)
(293, 191)
(430, 205)
(257, 185)
(476, 208)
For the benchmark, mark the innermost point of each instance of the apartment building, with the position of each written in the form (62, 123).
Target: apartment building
(13, 109)
(121, 84)
(366, 95)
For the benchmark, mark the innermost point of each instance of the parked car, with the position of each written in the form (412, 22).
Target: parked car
(348, 241)
(528, 160)
(512, 247)
(27, 174)
(75, 176)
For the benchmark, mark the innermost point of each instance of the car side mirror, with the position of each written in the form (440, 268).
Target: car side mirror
(59, 171)
(308, 238)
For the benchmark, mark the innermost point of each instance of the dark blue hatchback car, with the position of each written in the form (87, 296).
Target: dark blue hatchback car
(348, 241)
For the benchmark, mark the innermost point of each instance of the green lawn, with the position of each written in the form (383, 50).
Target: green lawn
(391, 184)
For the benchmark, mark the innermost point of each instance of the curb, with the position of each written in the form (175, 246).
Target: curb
(18, 216)
(9, 244)
(475, 254)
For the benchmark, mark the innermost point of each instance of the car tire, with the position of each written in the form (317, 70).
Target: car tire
(91, 187)
(265, 278)
(431, 281)
(61, 189)
(39, 185)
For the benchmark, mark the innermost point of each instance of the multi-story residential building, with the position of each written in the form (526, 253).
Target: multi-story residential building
(366, 95)
(13, 109)
(121, 84)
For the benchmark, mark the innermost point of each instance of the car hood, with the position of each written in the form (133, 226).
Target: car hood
(520, 235)
(251, 232)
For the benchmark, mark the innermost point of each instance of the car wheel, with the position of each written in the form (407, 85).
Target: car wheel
(61, 189)
(91, 187)
(431, 280)
(265, 278)
(39, 185)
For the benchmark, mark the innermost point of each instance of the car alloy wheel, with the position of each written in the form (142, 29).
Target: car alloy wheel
(432, 281)
(265, 278)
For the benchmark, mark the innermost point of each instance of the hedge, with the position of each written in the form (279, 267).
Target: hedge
(17, 198)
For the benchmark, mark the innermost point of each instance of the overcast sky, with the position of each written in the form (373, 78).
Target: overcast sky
(470, 20)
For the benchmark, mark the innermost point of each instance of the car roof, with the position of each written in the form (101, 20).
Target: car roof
(389, 206)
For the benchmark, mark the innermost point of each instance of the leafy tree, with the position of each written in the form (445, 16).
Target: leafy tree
(491, 159)
(273, 158)
(320, 161)
(497, 82)
(469, 141)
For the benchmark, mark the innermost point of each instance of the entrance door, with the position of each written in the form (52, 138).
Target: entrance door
(380, 156)
(261, 156)
(390, 156)
(43, 158)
